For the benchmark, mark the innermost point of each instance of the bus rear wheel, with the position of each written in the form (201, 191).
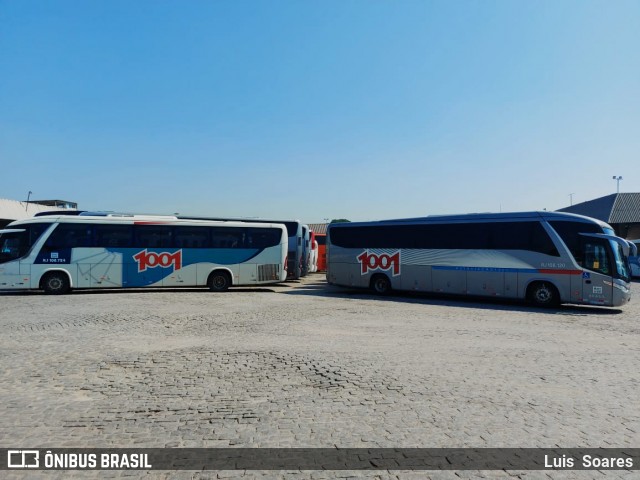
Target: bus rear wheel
(219, 281)
(543, 294)
(381, 284)
(55, 283)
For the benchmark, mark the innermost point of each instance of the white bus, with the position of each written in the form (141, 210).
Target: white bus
(58, 253)
(544, 257)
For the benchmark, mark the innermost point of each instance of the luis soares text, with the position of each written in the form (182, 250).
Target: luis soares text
(588, 461)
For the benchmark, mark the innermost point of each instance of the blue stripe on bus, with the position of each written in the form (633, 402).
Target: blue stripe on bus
(546, 271)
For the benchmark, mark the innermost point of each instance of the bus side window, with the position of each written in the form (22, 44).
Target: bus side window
(152, 236)
(69, 236)
(191, 237)
(227, 237)
(112, 236)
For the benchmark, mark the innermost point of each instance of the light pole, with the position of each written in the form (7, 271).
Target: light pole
(617, 179)
(571, 199)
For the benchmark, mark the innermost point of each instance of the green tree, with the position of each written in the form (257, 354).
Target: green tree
(340, 220)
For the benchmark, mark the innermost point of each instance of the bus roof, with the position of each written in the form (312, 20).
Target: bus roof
(140, 220)
(237, 219)
(481, 217)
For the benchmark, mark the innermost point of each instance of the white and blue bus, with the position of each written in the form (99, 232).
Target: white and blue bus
(547, 258)
(58, 253)
(294, 232)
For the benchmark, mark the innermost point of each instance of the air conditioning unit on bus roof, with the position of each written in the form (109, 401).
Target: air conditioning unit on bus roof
(128, 215)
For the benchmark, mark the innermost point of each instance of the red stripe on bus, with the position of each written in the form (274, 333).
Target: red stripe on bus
(561, 272)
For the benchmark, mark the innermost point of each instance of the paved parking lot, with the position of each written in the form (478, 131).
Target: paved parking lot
(307, 365)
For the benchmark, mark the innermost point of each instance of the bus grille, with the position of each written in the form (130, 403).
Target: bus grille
(268, 272)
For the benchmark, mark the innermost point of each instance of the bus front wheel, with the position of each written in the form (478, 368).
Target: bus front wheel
(219, 281)
(381, 284)
(544, 294)
(55, 283)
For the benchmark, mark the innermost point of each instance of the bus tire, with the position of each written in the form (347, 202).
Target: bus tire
(543, 294)
(55, 283)
(219, 281)
(381, 284)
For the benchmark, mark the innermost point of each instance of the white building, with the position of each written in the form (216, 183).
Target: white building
(11, 210)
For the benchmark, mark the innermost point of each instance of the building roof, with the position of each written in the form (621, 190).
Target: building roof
(320, 228)
(15, 210)
(614, 208)
(57, 203)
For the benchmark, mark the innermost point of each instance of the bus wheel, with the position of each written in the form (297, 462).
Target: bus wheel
(219, 281)
(381, 284)
(543, 294)
(55, 283)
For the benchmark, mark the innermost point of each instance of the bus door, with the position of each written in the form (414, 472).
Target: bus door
(597, 285)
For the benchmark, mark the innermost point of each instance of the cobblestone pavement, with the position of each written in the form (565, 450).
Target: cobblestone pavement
(307, 365)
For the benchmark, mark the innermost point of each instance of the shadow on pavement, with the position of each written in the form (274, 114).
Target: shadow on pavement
(322, 289)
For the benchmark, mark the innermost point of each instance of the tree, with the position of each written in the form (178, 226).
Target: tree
(340, 220)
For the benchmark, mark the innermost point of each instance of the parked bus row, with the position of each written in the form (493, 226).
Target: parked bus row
(544, 257)
(59, 252)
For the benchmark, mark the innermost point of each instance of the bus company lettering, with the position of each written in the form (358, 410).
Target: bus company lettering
(371, 261)
(164, 259)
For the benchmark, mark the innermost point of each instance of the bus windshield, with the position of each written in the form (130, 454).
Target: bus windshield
(16, 242)
(621, 261)
(13, 245)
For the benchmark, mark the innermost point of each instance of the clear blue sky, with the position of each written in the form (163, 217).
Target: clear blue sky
(319, 109)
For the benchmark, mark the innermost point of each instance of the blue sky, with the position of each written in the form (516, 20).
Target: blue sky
(319, 109)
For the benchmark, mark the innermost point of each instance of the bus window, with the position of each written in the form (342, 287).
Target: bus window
(113, 236)
(153, 236)
(13, 245)
(570, 233)
(595, 256)
(191, 237)
(69, 235)
(227, 237)
(263, 237)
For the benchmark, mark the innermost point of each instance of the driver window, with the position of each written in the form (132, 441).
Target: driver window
(596, 258)
(13, 246)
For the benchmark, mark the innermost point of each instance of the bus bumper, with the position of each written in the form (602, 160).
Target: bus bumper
(621, 293)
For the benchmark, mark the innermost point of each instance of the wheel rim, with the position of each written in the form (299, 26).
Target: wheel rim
(543, 294)
(381, 285)
(220, 282)
(55, 283)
